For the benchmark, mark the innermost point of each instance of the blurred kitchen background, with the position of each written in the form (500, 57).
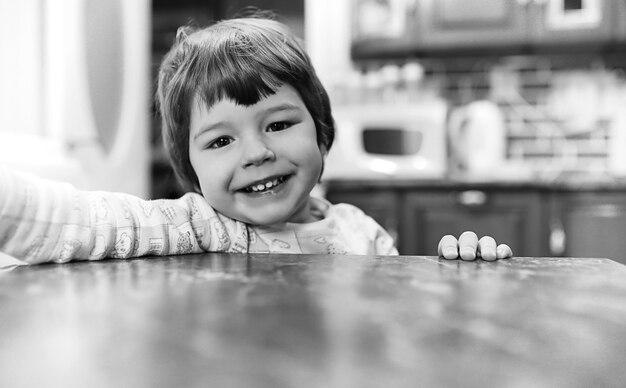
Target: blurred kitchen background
(506, 117)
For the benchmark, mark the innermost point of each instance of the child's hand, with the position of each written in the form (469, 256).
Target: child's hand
(469, 247)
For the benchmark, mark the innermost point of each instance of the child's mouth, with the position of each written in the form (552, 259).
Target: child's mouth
(265, 186)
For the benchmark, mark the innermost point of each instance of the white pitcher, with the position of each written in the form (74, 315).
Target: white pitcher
(478, 137)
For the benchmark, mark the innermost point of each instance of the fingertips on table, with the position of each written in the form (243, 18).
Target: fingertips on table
(504, 251)
(468, 243)
(487, 248)
(448, 247)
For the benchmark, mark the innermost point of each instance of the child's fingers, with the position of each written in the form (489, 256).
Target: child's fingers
(504, 252)
(448, 247)
(487, 248)
(468, 243)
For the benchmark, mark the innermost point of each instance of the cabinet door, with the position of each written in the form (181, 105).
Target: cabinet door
(381, 205)
(383, 27)
(573, 21)
(509, 217)
(589, 225)
(471, 23)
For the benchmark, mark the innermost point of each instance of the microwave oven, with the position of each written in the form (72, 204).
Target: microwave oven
(400, 141)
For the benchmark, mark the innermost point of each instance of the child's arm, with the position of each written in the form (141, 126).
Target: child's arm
(469, 247)
(43, 221)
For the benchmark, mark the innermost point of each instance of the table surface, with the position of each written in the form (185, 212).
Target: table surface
(276, 321)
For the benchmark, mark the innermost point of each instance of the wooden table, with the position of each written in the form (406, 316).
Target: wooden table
(219, 320)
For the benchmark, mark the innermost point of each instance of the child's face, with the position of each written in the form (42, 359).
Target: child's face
(258, 163)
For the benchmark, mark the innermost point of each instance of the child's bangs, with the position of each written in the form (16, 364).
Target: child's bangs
(245, 80)
(246, 67)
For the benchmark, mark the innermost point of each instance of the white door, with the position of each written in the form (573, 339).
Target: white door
(75, 91)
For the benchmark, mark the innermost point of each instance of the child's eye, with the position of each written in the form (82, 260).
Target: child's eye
(220, 142)
(278, 126)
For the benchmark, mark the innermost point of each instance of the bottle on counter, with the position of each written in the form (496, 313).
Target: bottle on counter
(391, 83)
(411, 75)
(373, 86)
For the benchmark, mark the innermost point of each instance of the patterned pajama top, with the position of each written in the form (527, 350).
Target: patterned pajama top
(46, 221)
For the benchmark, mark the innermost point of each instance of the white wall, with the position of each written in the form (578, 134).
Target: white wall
(327, 31)
(21, 66)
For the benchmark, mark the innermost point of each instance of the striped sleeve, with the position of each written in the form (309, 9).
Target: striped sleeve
(46, 221)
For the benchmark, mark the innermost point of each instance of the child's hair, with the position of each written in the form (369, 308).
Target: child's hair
(243, 59)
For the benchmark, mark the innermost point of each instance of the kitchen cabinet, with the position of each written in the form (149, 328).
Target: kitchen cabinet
(380, 204)
(433, 25)
(485, 22)
(420, 217)
(384, 28)
(534, 219)
(511, 217)
(572, 21)
(588, 224)
(445, 23)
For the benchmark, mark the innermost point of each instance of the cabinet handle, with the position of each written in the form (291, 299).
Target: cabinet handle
(472, 198)
(557, 239)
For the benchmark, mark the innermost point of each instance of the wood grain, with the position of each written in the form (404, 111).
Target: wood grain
(314, 321)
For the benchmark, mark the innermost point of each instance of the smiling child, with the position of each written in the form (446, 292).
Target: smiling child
(247, 125)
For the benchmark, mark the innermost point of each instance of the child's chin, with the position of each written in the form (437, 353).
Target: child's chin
(274, 214)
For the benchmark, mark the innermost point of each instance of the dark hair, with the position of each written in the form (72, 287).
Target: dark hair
(243, 59)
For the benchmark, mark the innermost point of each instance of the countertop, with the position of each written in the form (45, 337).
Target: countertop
(277, 321)
(561, 182)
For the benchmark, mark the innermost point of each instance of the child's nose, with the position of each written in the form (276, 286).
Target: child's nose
(256, 153)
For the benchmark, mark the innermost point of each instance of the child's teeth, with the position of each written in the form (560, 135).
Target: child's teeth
(265, 186)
